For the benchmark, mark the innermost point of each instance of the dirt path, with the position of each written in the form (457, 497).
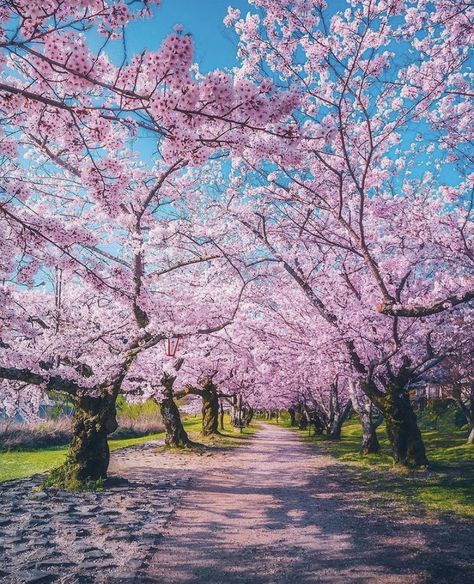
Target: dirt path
(275, 512)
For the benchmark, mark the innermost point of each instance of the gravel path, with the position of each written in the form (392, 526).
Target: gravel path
(88, 538)
(277, 512)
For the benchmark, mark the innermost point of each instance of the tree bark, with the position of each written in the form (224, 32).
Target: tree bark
(88, 457)
(248, 415)
(464, 398)
(292, 414)
(236, 411)
(210, 408)
(368, 419)
(303, 423)
(176, 435)
(370, 441)
(221, 417)
(470, 438)
(402, 427)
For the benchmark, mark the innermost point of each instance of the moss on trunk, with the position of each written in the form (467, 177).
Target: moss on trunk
(176, 436)
(370, 442)
(210, 408)
(88, 457)
(403, 433)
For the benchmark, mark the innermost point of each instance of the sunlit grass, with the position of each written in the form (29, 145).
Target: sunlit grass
(18, 464)
(229, 437)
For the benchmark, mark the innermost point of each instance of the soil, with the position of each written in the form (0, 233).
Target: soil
(277, 512)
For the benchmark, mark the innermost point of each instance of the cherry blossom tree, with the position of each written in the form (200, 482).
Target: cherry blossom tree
(76, 199)
(345, 196)
(303, 229)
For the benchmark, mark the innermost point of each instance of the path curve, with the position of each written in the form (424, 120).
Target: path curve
(279, 513)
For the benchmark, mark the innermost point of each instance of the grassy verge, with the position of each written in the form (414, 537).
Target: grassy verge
(445, 488)
(227, 438)
(19, 464)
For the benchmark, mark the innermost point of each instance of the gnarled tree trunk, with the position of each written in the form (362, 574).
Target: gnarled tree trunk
(176, 435)
(403, 433)
(370, 442)
(88, 457)
(210, 408)
(370, 419)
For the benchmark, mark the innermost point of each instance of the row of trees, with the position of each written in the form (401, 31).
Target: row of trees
(303, 228)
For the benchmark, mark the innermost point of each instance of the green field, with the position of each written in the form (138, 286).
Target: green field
(447, 486)
(18, 464)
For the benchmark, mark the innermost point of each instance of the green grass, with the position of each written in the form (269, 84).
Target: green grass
(227, 438)
(446, 487)
(19, 464)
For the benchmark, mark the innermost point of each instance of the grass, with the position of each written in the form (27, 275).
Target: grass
(445, 488)
(227, 438)
(19, 464)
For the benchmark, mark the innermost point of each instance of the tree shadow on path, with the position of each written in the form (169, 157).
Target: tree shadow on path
(279, 513)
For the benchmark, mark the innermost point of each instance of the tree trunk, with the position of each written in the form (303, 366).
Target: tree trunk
(88, 458)
(236, 411)
(248, 416)
(176, 435)
(464, 398)
(402, 427)
(210, 409)
(292, 414)
(335, 431)
(370, 442)
(317, 424)
(221, 417)
(470, 438)
(303, 424)
(369, 419)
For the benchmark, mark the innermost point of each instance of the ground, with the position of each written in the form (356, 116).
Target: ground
(273, 511)
(278, 512)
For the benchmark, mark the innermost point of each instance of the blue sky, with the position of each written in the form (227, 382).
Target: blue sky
(215, 45)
